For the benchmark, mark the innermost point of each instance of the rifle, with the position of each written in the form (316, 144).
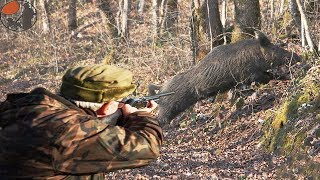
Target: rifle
(139, 102)
(142, 101)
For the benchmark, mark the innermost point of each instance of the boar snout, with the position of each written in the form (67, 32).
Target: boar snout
(296, 58)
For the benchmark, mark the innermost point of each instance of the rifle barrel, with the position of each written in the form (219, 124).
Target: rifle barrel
(157, 96)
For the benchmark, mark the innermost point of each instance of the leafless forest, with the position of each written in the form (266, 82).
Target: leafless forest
(270, 133)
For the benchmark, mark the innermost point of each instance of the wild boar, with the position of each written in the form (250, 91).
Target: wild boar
(222, 69)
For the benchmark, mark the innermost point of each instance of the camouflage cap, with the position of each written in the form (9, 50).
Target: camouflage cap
(97, 83)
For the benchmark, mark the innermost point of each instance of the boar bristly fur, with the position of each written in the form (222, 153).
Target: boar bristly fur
(222, 69)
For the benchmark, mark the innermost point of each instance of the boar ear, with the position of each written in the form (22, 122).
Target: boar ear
(153, 88)
(263, 39)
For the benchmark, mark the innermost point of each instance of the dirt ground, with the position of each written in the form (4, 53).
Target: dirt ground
(207, 148)
(199, 145)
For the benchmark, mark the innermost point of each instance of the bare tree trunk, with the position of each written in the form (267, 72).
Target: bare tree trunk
(206, 26)
(281, 6)
(303, 37)
(154, 12)
(247, 19)
(107, 13)
(295, 13)
(162, 16)
(141, 7)
(108, 19)
(272, 9)
(72, 15)
(224, 19)
(124, 6)
(44, 13)
(171, 17)
(214, 26)
(304, 23)
(193, 33)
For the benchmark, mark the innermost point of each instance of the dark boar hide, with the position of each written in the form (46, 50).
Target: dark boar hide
(223, 68)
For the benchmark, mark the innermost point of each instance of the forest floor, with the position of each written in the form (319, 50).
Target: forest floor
(201, 145)
(212, 140)
(209, 149)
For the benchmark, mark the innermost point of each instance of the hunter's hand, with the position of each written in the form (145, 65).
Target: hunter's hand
(112, 106)
(108, 109)
(127, 109)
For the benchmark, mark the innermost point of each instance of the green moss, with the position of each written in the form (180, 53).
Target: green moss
(287, 111)
(276, 140)
(304, 98)
(294, 142)
(289, 141)
(286, 129)
(281, 133)
(281, 117)
(309, 55)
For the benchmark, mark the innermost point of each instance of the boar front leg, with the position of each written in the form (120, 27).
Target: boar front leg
(262, 77)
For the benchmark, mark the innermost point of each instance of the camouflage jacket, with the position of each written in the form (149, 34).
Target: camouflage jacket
(44, 136)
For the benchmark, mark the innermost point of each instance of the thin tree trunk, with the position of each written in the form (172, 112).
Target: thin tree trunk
(214, 26)
(107, 14)
(108, 19)
(84, 27)
(155, 19)
(171, 16)
(118, 17)
(193, 33)
(45, 20)
(272, 9)
(295, 13)
(141, 7)
(72, 15)
(306, 27)
(124, 28)
(224, 19)
(123, 25)
(162, 17)
(281, 7)
(303, 37)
